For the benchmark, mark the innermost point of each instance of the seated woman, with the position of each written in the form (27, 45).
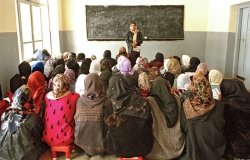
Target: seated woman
(193, 63)
(105, 74)
(59, 113)
(21, 129)
(215, 77)
(236, 99)
(128, 121)
(168, 142)
(83, 72)
(37, 85)
(202, 122)
(89, 117)
(158, 61)
(20, 79)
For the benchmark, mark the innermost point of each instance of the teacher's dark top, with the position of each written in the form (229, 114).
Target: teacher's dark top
(129, 40)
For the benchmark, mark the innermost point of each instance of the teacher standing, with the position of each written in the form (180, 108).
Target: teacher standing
(134, 40)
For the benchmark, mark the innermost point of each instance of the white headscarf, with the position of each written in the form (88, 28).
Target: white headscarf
(184, 81)
(215, 77)
(185, 60)
(165, 66)
(95, 67)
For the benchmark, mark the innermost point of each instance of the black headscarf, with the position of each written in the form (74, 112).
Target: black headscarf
(60, 69)
(194, 62)
(24, 69)
(126, 102)
(84, 68)
(235, 94)
(160, 89)
(20, 79)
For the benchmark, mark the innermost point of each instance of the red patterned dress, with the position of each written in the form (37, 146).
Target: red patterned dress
(59, 120)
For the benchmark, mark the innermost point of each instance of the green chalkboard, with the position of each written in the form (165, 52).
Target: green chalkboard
(163, 22)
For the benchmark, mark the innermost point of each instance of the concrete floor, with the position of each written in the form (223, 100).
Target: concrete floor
(77, 155)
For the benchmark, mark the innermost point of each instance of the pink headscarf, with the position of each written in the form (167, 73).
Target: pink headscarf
(71, 75)
(125, 66)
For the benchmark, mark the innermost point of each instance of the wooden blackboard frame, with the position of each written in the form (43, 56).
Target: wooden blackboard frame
(111, 23)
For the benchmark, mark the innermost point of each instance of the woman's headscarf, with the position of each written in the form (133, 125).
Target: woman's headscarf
(143, 81)
(215, 77)
(161, 91)
(202, 100)
(166, 61)
(202, 67)
(84, 68)
(37, 84)
(71, 75)
(61, 85)
(136, 66)
(38, 66)
(153, 73)
(185, 60)
(183, 81)
(235, 94)
(174, 66)
(125, 66)
(124, 101)
(20, 97)
(60, 69)
(194, 62)
(95, 67)
(24, 69)
(93, 93)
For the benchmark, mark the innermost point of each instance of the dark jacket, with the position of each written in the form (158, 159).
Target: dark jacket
(129, 40)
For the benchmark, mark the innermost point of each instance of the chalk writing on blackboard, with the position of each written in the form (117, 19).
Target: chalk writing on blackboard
(163, 22)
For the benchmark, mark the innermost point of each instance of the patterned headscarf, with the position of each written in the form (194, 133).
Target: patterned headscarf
(215, 77)
(143, 83)
(37, 84)
(202, 100)
(20, 97)
(61, 85)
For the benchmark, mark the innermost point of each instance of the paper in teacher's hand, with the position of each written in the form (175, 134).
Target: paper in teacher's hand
(137, 49)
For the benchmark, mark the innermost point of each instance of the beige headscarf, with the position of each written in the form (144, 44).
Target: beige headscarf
(215, 77)
(174, 67)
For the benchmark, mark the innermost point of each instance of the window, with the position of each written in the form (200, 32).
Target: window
(34, 26)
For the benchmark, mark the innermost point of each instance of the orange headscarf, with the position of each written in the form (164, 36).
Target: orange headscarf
(37, 84)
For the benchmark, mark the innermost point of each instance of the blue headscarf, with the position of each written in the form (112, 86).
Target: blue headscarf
(38, 66)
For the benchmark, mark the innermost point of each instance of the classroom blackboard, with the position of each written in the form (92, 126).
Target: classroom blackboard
(163, 22)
